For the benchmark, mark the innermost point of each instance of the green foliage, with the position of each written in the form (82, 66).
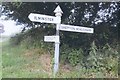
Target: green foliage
(72, 56)
(32, 38)
(105, 59)
(64, 51)
(119, 59)
(17, 3)
(109, 51)
(18, 63)
(100, 61)
(93, 56)
(81, 9)
(105, 31)
(16, 40)
(75, 56)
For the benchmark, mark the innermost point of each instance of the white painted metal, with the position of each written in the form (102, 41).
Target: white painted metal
(51, 39)
(72, 28)
(43, 18)
(58, 13)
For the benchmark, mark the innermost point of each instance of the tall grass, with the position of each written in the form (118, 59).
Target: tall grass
(22, 62)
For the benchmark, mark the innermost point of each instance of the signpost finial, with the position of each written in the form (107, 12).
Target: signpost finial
(58, 10)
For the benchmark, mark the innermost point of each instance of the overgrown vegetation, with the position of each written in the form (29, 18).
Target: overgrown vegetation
(23, 62)
(94, 62)
(83, 55)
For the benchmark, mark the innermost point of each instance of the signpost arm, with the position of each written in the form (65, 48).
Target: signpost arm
(58, 13)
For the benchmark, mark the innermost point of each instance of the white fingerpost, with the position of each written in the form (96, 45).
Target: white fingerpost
(55, 38)
(58, 13)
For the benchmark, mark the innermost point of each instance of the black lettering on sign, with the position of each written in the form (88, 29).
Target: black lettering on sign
(79, 29)
(63, 27)
(43, 18)
(87, 29)
(51, 19)
(72, 28)
(35, 17)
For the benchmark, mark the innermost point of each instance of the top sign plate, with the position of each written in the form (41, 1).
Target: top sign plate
(43, 18)
(75, 28)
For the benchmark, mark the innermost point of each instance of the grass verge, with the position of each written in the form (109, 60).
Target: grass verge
(21, 62)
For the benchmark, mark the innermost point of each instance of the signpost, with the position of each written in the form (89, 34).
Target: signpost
(57, 20)
(43, 18)
(75, 28)
(51, 39)
(58, 13)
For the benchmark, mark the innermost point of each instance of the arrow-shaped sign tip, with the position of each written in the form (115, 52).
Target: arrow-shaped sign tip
(29, 16)
(58, 10)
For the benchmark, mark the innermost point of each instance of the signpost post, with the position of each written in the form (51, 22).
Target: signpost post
(57, 20)
(58, 13)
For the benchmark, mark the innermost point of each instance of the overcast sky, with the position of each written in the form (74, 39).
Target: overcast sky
(9, 27)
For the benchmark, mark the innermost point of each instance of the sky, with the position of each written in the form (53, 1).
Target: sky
(10, 27)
